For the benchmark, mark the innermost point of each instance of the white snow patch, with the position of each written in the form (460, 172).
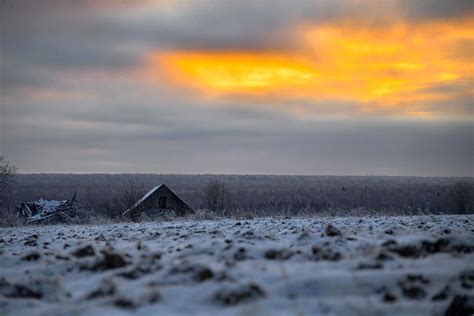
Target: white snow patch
(266, 266)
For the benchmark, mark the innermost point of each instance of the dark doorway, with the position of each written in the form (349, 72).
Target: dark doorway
(162, 202)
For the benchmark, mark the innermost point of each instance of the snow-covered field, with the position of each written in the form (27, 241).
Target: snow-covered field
(420, 265)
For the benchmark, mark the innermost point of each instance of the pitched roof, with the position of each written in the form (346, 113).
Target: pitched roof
(143, 198)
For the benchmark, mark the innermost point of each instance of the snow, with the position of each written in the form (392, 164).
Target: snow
(49, 205)
(266, 266)
(143, 198)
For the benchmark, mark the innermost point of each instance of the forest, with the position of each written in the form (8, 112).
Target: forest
(260, 195)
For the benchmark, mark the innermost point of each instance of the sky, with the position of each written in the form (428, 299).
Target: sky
(336, 87)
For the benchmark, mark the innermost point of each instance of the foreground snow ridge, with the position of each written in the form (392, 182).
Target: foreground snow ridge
(419, 265)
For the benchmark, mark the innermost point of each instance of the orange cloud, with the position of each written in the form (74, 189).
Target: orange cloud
(382, 67)
(237, 71)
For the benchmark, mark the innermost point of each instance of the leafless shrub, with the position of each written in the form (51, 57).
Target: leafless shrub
(129, 194)
(216, 196)
(7, 181)
(461, 193)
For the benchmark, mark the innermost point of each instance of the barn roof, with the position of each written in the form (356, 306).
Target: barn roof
(143, 198)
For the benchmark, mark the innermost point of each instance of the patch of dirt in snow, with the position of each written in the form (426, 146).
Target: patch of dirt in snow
(418, 265)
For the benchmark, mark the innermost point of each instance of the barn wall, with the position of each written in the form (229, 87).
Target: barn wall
(172, 201)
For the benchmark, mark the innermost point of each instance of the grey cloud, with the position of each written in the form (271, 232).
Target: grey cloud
(436, 9)
(288, 147)
(457, 87)
(123, 136)
(457, 98)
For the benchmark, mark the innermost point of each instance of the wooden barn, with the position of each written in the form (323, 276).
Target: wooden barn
(159, 199)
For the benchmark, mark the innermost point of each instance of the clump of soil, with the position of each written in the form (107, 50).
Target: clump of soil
(369, 266)
(413, 286)
(467, 279)
(240, 254)
(85, 251)
(427, 247)
(441, 295)
(32, 242)
(461, 305)
(108, 261)
(32, 256)
(243, 293)
(203, 274)
(332, 231)
(123, 302)
(325, 253)
(23, 291)
(148, 296)
(280, 254)
(407, 251)
(389, 297)
(106, 288)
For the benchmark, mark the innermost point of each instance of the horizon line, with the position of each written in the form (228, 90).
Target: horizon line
(241, 174)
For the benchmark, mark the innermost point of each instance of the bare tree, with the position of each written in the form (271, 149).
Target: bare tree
(128, 194)
(216, 196)
(461, 193)
(7, 177)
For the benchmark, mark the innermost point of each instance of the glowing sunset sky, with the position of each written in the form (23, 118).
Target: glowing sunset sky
(281, 87)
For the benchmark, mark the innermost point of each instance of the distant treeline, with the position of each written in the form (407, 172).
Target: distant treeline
(266, 195)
